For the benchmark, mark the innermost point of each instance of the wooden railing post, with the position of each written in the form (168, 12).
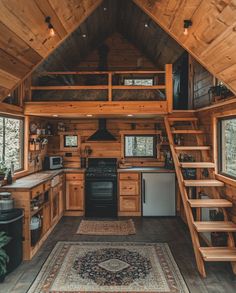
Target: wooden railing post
(169, 87)
(109, 86)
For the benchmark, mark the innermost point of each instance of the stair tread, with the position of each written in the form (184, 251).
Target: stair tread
(197, 165)
(192, 148)
(187, 131)
(218, 253)
(203, 182)
(215, 226)
(208, 203)
(183, 119)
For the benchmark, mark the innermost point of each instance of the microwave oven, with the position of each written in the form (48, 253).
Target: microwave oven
(53, 162)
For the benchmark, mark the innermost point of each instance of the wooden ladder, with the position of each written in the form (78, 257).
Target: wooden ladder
(196, 226)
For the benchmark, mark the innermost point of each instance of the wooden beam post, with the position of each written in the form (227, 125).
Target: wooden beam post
(110, 86)
(169, 87)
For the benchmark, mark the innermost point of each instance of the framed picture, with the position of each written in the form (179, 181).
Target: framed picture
(69, 141)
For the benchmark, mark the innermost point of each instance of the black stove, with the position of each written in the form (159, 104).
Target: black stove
(101, 188)
(101, 172)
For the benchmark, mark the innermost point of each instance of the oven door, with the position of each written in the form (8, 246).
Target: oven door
(101, 197)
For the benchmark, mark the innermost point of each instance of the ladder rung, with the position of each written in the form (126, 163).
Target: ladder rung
(183, 119)
(215, 226)
(197, 165)
(218, 253)
(187, 131)
(205, 182)
(210, 203)
(192, 148)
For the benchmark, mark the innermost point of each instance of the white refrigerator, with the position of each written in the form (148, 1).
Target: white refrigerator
(158, 194)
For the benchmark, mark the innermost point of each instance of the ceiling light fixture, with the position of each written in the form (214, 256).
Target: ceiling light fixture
(89, 115)
(104, 8)
(55, 115)
(84, 36)
(130, 115)
(187, 24)
(52, 32)
(146, 25)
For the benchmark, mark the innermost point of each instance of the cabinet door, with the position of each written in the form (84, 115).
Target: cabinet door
(129, 187)
(54, 206)
(46, 217)
(75, 195)
(129, 204)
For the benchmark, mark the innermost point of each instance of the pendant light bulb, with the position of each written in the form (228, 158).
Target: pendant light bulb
(187, 24)
(52, 32)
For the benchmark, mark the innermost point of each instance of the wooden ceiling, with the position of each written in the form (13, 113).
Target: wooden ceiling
(212, 37)
(111, 16)
(24, 41)
(24, 38)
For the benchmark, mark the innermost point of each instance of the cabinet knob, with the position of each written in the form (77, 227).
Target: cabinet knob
(75, 188)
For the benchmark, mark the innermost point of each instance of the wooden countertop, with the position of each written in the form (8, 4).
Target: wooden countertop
(33, 180)
(28, 182)
(146, 169)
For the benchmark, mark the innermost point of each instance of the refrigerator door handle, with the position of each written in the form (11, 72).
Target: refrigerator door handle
(143, 190)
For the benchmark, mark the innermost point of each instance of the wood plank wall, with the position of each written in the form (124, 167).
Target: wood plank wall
(87, 127)
(122, 55)
(202, 80)
(206, 122)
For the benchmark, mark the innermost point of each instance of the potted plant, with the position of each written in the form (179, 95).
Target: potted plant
(3, 169)
(4, 239)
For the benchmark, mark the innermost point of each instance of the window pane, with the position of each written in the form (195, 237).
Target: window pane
(139, 146)
(71, 140)
(140, 82)
(11, 142)
(228, 146)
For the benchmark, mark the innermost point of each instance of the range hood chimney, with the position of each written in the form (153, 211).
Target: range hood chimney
(102, 134)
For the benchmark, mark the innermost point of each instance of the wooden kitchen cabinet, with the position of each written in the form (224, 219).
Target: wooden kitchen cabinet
(129, 187)
(129, 194)
(74, 194)
(129, 204)
(46, 197)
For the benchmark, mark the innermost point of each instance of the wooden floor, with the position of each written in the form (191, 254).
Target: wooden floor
(171, 230)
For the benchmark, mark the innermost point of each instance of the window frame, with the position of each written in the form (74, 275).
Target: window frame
(219, 143)
(142, 157)
(22, 151)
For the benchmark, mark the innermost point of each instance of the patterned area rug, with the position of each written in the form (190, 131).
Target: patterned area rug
(106, 227)
(109, 267)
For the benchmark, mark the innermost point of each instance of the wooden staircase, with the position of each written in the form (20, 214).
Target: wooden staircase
(196, 226)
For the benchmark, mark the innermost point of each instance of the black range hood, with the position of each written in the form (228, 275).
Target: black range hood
(102, 134)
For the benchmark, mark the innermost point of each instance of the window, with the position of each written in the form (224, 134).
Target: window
(227, 149)
(11, 142)
(139, 81)
(70, 140)
(140, 146)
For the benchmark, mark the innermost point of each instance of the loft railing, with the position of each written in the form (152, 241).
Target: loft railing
(116, 86)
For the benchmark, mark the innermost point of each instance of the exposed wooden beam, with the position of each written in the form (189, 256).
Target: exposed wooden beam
(75, 108)
(10, 109)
